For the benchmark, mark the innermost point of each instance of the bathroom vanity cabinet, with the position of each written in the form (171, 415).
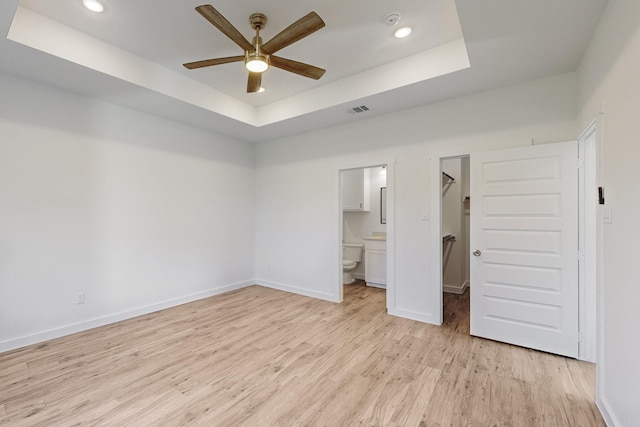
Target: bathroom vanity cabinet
(375, 263)
(355, 190)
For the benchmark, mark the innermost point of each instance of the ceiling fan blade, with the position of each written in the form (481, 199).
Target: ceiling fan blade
(221, 23)
(254, 82)
(215, 61)
(304, 26)
(301, 68)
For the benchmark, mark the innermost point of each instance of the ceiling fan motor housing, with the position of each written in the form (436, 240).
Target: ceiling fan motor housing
(258, 21)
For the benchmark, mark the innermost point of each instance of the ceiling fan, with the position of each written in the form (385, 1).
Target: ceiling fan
(258, 56)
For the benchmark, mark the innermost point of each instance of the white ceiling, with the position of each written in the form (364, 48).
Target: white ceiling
(132, 54)
(170, 33)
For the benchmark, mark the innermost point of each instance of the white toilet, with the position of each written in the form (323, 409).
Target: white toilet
(351, 256)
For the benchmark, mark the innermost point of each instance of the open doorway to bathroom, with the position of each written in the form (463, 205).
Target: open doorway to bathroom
(455, 213)
(364, 232)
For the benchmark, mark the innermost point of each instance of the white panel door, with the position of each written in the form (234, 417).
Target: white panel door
(524, 238)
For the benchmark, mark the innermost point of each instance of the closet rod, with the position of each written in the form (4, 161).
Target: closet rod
(449, 176)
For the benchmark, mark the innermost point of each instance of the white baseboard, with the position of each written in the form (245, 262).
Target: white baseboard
(39, 337)
(606, 412)
(139, 311)
(456, 289)
(296, 290)
(413, 315)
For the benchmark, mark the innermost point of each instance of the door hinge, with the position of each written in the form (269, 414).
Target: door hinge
(580, 163)
(580, 255)
(580, 337)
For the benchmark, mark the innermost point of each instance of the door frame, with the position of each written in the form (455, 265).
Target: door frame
(588, 224)
(587, 334)
(389, 162)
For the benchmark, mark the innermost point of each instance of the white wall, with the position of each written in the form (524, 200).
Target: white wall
(297, 229)
(137, 212)
(358, 225)
(610, 83)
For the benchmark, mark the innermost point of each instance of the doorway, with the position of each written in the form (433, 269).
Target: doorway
(455, 213)
(515, 242)
(364, 228)
(365, 224)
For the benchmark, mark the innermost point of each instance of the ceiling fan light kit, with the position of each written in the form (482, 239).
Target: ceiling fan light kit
(256, 62)
(258, 57)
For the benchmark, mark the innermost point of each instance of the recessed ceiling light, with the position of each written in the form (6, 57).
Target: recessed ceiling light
(93, 5)
(402, 32)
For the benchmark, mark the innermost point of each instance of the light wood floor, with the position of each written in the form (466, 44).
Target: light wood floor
(262, 357)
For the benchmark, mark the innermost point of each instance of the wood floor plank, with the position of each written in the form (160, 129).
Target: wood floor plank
(261, 357)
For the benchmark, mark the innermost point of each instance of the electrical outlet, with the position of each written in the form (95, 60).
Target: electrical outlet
(80, 298)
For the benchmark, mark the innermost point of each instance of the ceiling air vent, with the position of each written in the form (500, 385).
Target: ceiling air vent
(360, 109)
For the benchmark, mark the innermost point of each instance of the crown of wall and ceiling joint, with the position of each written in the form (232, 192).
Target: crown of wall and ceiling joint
(139, 66)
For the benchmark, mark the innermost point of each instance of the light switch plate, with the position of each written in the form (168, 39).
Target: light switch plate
(425, 215)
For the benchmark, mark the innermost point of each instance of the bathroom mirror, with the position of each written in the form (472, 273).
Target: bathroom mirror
(383, 205)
